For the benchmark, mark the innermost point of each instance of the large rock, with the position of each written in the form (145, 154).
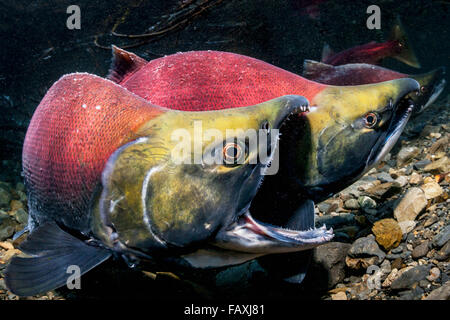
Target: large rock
(366, 246)
(441, 165)
(432, 190)
(415, 178)
(442, 293)
(5, 197)
(407, 226)
(411, 205)
(331, 256)
(384, 190)
(367, 203)
(410, 277)
(444, 253)
(406, 154)
(351, 204)
(439, 145)
(387, 233)
(7, 228)
(442, 237)
(421, 250)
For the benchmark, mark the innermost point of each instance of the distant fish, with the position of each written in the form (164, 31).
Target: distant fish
(431, 83)
(308, 8)
(397, 47)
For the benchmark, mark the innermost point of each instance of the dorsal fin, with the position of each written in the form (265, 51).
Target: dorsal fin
(123, 65)
(312, 69)
(326, 52)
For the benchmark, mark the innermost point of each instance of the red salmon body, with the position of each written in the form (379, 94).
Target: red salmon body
(79, 123)
(370, 53)
(348, 75)
(206, 80)
(397, 47)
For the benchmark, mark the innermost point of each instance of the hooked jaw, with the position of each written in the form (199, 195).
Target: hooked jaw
(403, 108)
(251, 236)
(245, 234)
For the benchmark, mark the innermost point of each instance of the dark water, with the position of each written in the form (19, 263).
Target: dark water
(36, 47)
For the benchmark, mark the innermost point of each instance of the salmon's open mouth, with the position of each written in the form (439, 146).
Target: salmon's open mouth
(248, 235)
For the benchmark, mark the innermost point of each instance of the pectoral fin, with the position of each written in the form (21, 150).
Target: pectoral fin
(52, 251)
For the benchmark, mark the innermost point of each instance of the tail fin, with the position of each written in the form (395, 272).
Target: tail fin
(406, 55)
(53, 251)
(313, 69)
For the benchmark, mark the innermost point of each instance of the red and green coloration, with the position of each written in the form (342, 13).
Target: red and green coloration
(71, 135)
(431, 83)
(206, 80)
(397, 47)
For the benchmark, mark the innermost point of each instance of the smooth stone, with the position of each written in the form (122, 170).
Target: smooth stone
(421, 250)
(384, 177)
(409, 207)
(415, 178)
(366, 246)
(411, 276)
(21, 216)
(351, 204)
(432, 220)
(7, 228)
(366, 202)
(407, 226)
(439, 145)
(397, 263)
(444, 253)
(441, 165)
(331, 257)
(435, 273)
(384, 190)
(339, 296)
(442, 237)
(399, 249)
(442, 293)
(402, 181)
(432, 190)
(5, 197)
(406, 254)
(387, 233)
(414, 294)
(323, 206)
(335, 221)
(421, 164)
(406, 154)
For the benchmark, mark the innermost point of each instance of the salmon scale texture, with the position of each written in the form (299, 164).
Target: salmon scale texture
(213, 80)
(70, 137)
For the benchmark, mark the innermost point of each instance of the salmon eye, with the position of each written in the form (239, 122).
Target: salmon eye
(423, 89)
(370, 120)
(232, 152)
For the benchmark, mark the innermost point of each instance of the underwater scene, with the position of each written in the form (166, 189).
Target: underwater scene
(224, 150)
